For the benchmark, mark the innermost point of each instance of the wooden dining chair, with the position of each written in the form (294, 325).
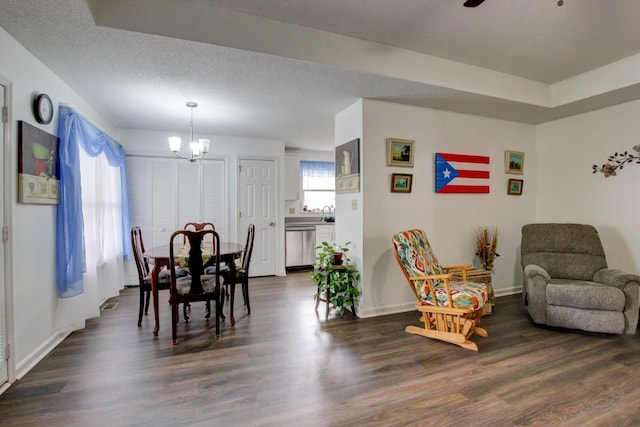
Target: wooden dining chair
(242, 272)
(197, 226)
(198, 286)
(144, 273)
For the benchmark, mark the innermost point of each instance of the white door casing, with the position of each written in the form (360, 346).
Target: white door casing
(257, 199)
(4, 171)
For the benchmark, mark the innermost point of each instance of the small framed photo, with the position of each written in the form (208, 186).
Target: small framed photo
(400, 152)
(401, 182)
(514, 162)
(515, 187)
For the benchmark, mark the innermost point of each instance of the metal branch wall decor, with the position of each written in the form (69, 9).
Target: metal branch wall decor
(619, 160)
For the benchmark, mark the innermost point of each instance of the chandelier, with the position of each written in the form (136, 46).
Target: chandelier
(197, 149)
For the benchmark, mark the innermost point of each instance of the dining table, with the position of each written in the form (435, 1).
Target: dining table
(160, 257)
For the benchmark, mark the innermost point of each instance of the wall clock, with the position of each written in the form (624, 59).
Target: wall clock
(43, 109)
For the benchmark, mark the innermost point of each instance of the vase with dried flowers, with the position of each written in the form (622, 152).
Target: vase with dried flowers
(620, 159)
(487, 243)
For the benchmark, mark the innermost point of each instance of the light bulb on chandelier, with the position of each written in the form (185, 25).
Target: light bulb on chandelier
(197, 149)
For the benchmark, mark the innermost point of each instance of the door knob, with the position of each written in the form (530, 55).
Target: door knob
(272, 224)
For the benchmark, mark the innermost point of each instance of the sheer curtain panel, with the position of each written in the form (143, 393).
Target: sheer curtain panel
(92, 238)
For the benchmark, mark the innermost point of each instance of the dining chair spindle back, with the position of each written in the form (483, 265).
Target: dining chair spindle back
(198, 286)
(197, 226)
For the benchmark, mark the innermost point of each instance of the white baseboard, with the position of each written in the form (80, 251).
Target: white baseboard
(29, 362)
(509, 291)
(390, 309)
(4, 387)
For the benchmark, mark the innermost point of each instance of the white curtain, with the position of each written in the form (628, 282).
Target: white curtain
(102, 210)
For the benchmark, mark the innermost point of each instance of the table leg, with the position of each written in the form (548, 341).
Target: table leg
(154, 293)
(324, 299)
(232, 285)
(218, 302)
(328, 298)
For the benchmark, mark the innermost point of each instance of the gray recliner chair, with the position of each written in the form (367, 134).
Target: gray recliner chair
(567, 282)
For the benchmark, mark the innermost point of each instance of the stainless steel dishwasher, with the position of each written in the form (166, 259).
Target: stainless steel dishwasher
(300, 245)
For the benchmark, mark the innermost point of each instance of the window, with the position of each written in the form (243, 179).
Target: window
(318, 185)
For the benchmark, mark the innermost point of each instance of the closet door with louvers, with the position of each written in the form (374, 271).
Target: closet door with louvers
(165, 194)
(215, 201)
(139, 190)
(189, 194)
(163, 201)
(202, 194)
(139, 187)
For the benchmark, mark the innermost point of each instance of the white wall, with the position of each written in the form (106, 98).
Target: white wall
(568, 191)
(450, 220)
(349, 206)
(32, 229)
(318, 156)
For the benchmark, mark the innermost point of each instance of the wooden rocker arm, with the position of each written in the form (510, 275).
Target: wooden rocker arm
(444, 277)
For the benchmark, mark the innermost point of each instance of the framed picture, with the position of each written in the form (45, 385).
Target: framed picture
(348, 167)
(515, 187)
(400, 152)
(514, 162)
(401, 183)
(38, 166)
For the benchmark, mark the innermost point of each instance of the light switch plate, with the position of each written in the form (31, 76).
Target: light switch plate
(354, 204)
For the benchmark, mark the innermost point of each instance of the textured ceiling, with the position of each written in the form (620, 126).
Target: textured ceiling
(281, 69)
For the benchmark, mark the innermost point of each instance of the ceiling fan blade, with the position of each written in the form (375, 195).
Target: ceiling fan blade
(472, 3)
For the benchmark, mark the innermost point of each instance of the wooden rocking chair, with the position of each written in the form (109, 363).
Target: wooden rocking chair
(451, 310)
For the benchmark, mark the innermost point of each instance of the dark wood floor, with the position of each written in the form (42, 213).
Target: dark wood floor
(286, 366)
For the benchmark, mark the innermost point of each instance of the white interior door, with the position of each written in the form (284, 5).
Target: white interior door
(258, 206)
(4, 363)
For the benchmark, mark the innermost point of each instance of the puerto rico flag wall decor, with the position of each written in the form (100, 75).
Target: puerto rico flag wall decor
(462, 173)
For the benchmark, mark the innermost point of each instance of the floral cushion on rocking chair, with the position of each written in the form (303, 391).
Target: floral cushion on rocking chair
(418, 259)
(450, 310)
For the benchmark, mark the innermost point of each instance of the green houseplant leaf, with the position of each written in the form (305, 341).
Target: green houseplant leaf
(341, 283)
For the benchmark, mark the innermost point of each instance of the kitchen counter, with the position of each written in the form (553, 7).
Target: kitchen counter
(304, 221)
(304, 224)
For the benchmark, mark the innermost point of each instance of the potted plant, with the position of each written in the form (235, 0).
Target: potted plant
(338, 280)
